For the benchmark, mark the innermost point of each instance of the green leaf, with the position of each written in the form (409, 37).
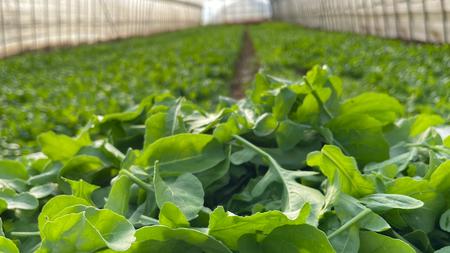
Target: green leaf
(420, 240)
(283, 103)
(425, 217)
(265, 125)
(360, 136)
(447, 141)
(12, 175)
(260, 86)
(444, 222)
(79, 167)
(295, 195)
(119, 196)
(164, 124)
(439, 179)
(7, 246)
(24, 201)
(348, 208)
(242, 156)
(172, 216)
(81, 189)
(352, 182)
(49, 174)
(332, 194)
(289, 134)
(103, 228)
(183, 153)
(12, 169)
(56, 205)
(61, 234)
(228, 227)
(3, 206)
(373, 242)
(147, 239)
(155, 128)
(185, 191)
(288, 239)
(309, 111)
(317, 75)
(347, 241)
(423, 122)
(443, 250)
(379, 202)
(42, 191)
(209, 176)
(60, 147)
(235, 125)
(379, 106)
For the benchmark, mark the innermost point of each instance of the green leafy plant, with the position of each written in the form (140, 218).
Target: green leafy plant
(61, 90)
(291, 168)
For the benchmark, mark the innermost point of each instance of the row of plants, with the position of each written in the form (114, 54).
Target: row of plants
(294, 167)
(61, 90)
(418, 75)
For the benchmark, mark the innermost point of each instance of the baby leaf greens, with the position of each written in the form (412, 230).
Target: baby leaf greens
(292, 168)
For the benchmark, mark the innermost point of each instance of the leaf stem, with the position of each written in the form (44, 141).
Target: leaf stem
(350, 223)
(137, 181)
(434, 148)
(150, 220)
(25, 234)
(250, 145)
(314, 92)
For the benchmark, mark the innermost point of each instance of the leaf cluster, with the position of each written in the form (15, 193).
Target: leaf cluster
(291, 168)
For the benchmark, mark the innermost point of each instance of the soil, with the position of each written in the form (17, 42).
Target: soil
(246, 68)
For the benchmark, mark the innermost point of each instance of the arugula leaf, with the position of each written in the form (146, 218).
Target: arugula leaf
(283, 103)
(423, 122)
(378, 106)
(183, 153)
(444, 222)
(228, 228)
(52, 145)
(119, 196)
(295, 195)
(289, 238)
(171, 216)
(23, 201)
(384, 202)
(373, 242)
(56, 205)
(185, 191)
(289, 134)
(360, 136)
(438, 179)
(330, 160)
(422, 218)
(82, 190)
(148, 239)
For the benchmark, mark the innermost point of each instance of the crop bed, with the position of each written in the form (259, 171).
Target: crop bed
(418, 75)
(61, 90)
(294, 167)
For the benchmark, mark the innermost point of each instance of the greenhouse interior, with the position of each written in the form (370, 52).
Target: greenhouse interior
(225, 126)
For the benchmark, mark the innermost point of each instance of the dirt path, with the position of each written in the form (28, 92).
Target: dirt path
(246, 68)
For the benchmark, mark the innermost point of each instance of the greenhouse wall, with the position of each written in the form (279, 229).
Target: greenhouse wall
(38, 24)
(416, 20)
(236, 11)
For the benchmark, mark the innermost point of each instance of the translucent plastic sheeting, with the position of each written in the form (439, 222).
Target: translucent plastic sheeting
(36, 24)
(418, 20)
(235, 11)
